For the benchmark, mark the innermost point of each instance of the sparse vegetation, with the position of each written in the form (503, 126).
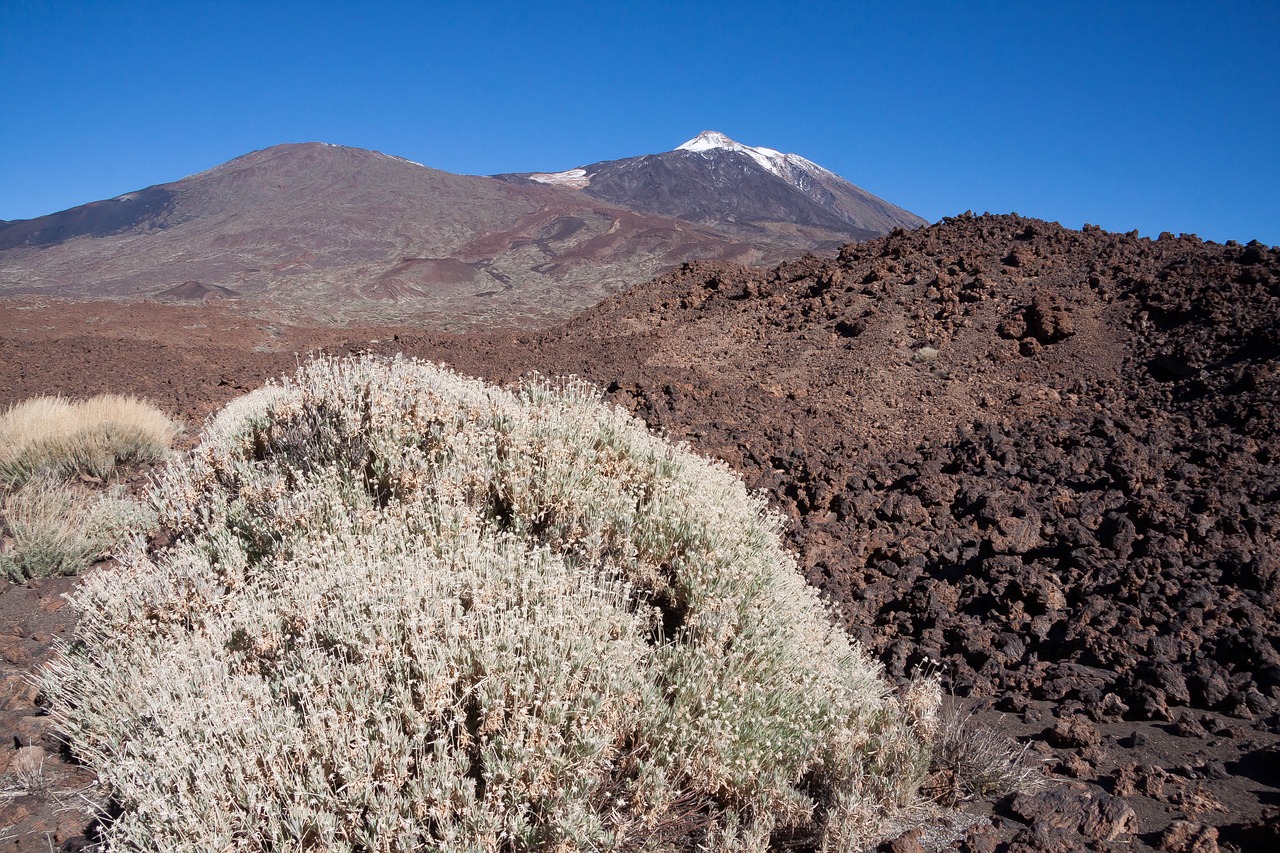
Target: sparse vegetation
(971, 760)
(404, 610)
(55, 436)
(27, 770)
(55, 528)
(52, 524)
(925, 354)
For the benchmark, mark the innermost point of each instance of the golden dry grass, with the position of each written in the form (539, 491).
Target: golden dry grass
(60, 437)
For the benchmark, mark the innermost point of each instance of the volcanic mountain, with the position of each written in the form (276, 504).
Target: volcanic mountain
(754, 193)
(332, 233)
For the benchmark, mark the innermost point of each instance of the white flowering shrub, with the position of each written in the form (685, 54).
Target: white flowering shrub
(403, 610)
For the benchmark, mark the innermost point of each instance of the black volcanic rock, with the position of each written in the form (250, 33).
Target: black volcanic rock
(1052, 522)
(755, 192)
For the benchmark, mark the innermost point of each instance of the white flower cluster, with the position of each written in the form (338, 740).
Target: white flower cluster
(403, 610)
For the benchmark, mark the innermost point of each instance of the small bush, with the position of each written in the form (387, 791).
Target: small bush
(50, 435)
(404, 610)
(971, 760)
(925, 354)
(58, 529)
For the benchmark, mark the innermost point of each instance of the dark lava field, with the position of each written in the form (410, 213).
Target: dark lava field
(1045, 462)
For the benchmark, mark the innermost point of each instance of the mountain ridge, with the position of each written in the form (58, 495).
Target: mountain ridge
(338, 234)
(745, 190)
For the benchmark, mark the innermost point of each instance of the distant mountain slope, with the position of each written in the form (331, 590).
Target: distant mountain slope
(324, 232)
(95, 219)
(750, 192)
(335, 233)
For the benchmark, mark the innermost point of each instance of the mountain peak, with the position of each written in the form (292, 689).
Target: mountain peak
(782, 165)
(709, 139)
(754, 192)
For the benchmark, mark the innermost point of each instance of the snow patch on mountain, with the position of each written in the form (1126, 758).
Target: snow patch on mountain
(576, 178)
(712, 140)
(402, 159)
(792, 168)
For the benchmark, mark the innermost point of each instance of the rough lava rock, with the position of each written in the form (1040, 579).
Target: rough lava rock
(1071, 510)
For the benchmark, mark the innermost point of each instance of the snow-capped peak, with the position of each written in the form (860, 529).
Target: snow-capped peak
(711, 139)
(784, 166)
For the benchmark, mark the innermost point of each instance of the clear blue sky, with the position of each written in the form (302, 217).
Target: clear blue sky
(1156, 116)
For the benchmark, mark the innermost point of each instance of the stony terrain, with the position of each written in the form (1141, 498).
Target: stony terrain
(1041, 460)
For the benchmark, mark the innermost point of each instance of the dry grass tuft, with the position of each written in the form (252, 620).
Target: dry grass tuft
(56, 528)
(54, 436)
(971, 760)
(403, 610)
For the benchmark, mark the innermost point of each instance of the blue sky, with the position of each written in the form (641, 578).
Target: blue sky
(1154, 116)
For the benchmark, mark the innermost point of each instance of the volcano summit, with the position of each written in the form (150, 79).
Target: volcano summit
(753, 193)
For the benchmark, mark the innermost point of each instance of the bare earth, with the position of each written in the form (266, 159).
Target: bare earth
(1044, 460)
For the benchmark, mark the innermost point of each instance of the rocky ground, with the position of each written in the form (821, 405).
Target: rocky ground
(1043, 461)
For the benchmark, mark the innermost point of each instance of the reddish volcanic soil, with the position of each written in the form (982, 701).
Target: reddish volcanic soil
(1044, 461)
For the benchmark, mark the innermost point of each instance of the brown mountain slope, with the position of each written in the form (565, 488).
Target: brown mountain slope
(331, 233)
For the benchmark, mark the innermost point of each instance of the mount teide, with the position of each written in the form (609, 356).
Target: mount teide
(323, 232)
(753, 193)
